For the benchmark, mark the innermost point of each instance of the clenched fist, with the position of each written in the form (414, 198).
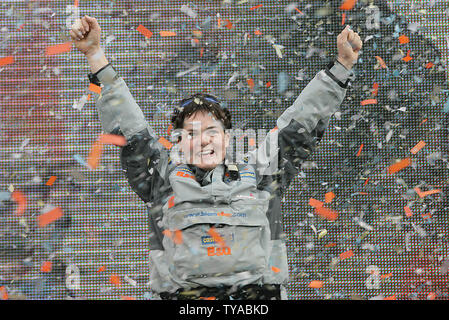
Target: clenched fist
(85, 34)
(348, 45)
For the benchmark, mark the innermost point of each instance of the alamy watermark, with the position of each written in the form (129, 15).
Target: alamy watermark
(245, 146)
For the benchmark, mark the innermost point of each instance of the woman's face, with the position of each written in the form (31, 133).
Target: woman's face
(203, 140)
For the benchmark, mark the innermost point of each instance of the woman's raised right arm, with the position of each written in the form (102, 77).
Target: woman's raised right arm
(117, 108)
(144, 160)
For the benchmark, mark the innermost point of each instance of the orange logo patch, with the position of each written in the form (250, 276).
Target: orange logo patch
(212, 251)
(185, 175)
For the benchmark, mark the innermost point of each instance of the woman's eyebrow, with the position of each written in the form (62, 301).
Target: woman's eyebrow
(210, 127)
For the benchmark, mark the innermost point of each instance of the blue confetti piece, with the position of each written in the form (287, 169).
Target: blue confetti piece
(4, 195)
(47, 246)
(283, 81)
(80, 160)
(446, 106)
(206, 23)
(67, 250)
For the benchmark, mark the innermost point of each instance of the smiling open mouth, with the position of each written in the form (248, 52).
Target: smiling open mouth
(206, 153)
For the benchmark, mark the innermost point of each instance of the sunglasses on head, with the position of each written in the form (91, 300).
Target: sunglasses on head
(203, 97)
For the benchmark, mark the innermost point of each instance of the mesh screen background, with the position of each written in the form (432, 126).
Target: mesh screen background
(100, 242)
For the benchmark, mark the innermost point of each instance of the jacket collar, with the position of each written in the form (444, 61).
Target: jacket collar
(204, 177)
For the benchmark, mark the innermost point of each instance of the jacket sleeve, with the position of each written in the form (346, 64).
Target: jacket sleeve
(144, 160)
(302, 125)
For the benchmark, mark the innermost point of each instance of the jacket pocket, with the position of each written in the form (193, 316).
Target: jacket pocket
(206, 252)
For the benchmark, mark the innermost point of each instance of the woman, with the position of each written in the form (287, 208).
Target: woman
(215, 227)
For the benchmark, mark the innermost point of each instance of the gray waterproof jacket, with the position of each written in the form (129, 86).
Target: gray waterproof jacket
(220, 227)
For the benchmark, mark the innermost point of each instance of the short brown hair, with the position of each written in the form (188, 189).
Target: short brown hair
(200, 102)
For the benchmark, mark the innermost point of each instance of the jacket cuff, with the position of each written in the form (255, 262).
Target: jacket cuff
(340, 74)
(107, 75)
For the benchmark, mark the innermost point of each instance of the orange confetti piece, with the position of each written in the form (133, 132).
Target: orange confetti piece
(76, 3)
(250, 83)
(426, 216)
(316, 284)
(50, 216)
(343, 19)
(346, 254)
(256, 7)
(167, 33)
(208, 298)
(330, 245)
(58, 49)
(94, 88)
(3, 293)
(6, 60)
(268, 84)
(387, 275)
(197, 33)
(229, 25)
(404, 163)
(257, 32)
(114, 139)
(368, 101)
(424, 121)
(274, 129)
(327, 213)
(418, 147)
(329, 196)
(251, 142)
(217, 238)
(51, 180)
(429, 65)
(147, 33)
(423, 194)
(95, 154)
(127, 298)
(46, 266)
(171, 202)
(275, 269)
(167, 233)
(101, 269)
(177, 236)
(315, 203)
(408, 211)
(375, 88)
(393, 297)
(21, 200)
(167, 144)
(360, 150)
(299, 11)
(348, 4)
(407, 58)
(201, 52)
(169, 129)
(115, 280)
(404, 39)
(381, 62)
